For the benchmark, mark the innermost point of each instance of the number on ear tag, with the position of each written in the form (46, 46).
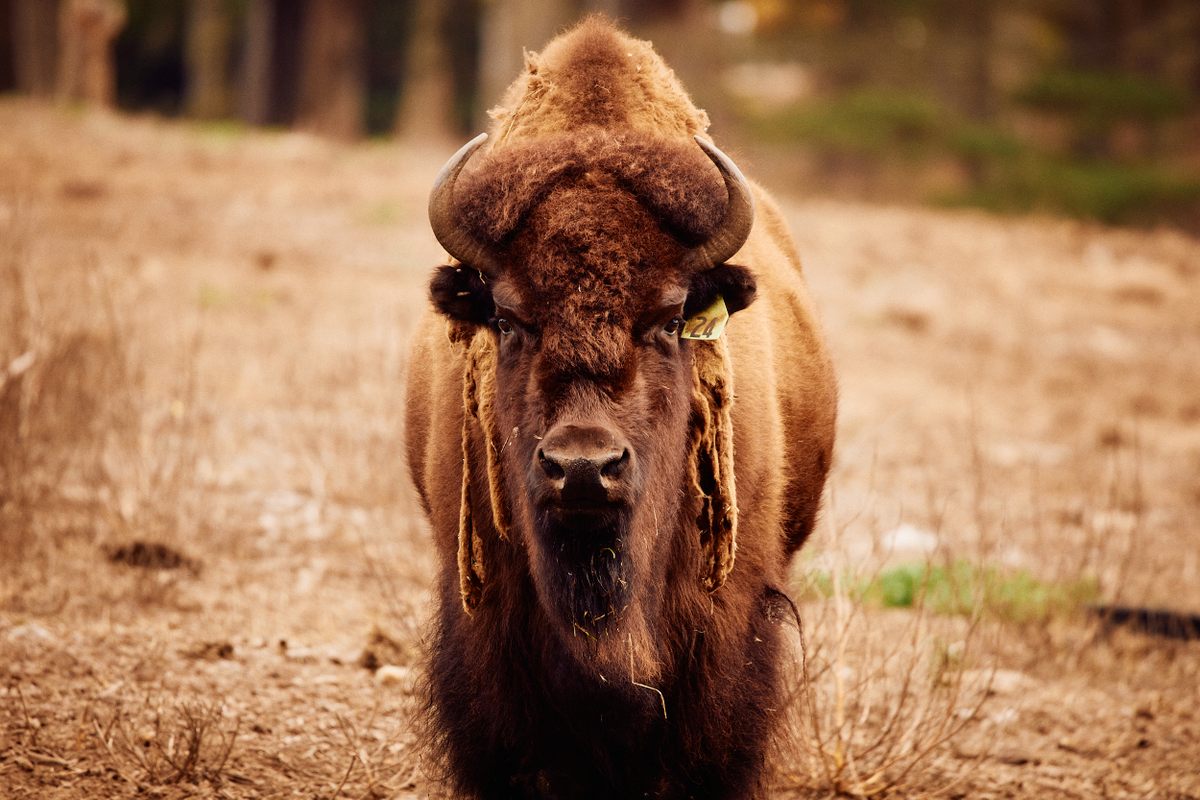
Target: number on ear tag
(708, 324)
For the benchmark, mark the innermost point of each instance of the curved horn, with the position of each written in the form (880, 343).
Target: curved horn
(739, 215)
(443, 217)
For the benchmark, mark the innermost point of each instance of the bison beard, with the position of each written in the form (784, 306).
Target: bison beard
(608, 605)
(589, 586)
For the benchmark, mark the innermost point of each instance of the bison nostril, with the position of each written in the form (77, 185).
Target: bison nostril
(552, 468)
(615, 466)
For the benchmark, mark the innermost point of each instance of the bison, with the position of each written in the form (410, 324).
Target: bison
(615, 486)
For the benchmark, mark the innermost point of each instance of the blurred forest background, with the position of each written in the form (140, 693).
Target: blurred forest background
(1083, 107)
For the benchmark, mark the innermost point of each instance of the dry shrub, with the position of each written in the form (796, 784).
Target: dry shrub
(167, 742)
(377, 767)
(57, 414)
(883, 694)
(878, 693)
(346, 434)
(66, 380)
(89, 450)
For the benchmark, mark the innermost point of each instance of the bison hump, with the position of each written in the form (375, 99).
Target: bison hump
(595, 75)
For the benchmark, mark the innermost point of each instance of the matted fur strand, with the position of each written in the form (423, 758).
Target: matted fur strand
(479, 398)
(711, 461)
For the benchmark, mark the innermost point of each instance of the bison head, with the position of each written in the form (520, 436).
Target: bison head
(580, 261)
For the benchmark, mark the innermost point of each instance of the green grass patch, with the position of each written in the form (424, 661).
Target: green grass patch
(988, 142)
(1106, 192)
(871, 122)
(874, 129)
(963, 588)
(1104, 98)
(215, 298)
(222, 130)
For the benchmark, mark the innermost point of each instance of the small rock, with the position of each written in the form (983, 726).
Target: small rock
(31, 632)
(1005, 716)
(392, 675)
(908, 539)
(1000, 682)
(325, 680)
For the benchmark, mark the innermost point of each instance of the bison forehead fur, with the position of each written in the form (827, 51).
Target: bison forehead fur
(672, 178)
(595, 635)
(596, 222)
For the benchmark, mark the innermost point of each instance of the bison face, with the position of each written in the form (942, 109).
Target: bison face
(586, 302)
(594, 467)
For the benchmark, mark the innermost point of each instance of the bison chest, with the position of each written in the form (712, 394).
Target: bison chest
(529, 720)
(526, 716)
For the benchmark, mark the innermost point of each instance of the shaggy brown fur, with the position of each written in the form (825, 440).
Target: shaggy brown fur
(623, 652)
(673, 179)
(596, 75)
(711, 462)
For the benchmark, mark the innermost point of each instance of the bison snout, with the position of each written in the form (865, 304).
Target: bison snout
(584, 464)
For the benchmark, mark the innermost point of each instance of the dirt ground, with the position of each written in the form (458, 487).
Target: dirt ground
(205, 522)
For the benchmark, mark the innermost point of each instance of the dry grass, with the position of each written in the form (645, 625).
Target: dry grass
(155, 438)
(204, 357)
(167, 742)
(92, 455)
(877, 695)
(872, 708)
(384, 766)
(883, 696)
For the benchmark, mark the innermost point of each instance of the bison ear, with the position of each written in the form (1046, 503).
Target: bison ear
(462, 294)
(734, 283)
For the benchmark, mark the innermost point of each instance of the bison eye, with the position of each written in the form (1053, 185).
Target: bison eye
(504, 326)
(673, 327)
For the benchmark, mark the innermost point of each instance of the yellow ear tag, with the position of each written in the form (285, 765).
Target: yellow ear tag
(708, 324)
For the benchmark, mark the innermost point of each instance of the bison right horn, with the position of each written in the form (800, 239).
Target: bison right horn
(443, 214)
(739, 214)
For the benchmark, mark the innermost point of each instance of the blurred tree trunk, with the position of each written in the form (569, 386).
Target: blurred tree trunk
(254, 105)
(980, 25)
(208, 40)
(638, 12)
(979, 28)
(508, 27)
(693, 48)
(864, 14)
(333, 69)
(35, 45)
(86, 70)
(1100, 45)
(426, 105)
(461, 32)
(271, 61)
(8, 59)
(1195, 27)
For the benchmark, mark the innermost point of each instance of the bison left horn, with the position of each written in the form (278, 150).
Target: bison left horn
(443, 216)
(739, 214)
